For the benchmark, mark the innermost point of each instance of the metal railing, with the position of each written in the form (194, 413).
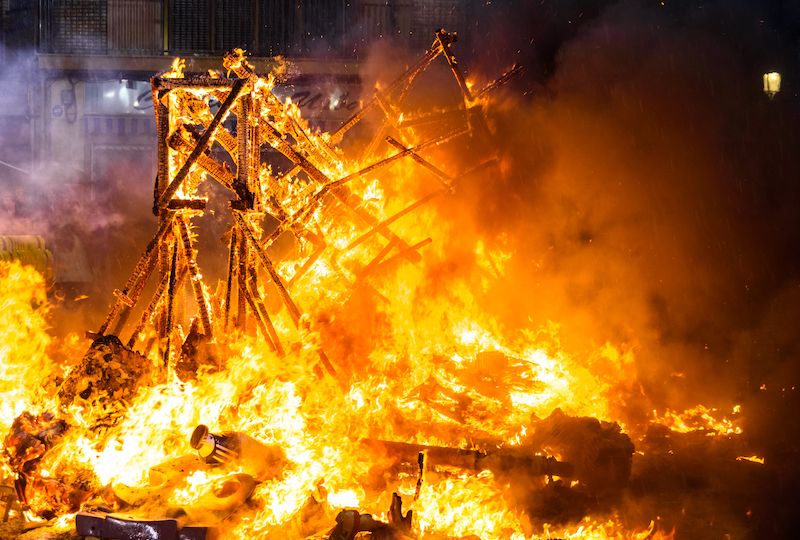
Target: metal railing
(339, 28)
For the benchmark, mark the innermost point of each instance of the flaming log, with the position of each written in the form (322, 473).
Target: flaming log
(197, 285)
(515, 70)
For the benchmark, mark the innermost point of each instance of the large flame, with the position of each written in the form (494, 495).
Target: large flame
(426, 363)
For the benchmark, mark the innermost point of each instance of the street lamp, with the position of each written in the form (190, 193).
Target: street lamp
(772, 83)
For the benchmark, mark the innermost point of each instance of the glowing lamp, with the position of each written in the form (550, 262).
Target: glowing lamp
(772, 83)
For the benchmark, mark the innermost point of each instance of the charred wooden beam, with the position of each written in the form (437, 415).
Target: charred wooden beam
(141, 271)
(262, 319)
(502, 460)
(445, 39)
(436, 141)
(273, 137)
(443, 177)
(261, 311)
(377, 259)
(151, 308)
(438, 117)
(515, 70)
(388, 221)
(196, 278)
(218, 171)
(243, 260)
(170, 307)
(187, 204)
(266, 262)
(202, 144)
(232, 247)
(291, 307)
(319, 248)
(248, 159)
(414, 70)
(191, 81)
(402, 254)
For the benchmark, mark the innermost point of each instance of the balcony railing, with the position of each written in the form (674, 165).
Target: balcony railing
(340, 28)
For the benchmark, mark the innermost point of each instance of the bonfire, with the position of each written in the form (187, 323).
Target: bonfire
(342, 380)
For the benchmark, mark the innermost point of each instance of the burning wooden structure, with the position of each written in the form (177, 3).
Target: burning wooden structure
(472, 423)
(188, 129)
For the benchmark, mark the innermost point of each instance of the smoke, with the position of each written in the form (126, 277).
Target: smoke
(649, 194)
(92, 213)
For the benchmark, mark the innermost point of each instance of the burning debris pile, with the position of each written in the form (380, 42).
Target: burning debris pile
(339, 379)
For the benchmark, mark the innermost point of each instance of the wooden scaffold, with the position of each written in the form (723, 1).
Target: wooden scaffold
(241, 116)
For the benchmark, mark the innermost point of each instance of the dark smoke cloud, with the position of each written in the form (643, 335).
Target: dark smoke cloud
(651, 194)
